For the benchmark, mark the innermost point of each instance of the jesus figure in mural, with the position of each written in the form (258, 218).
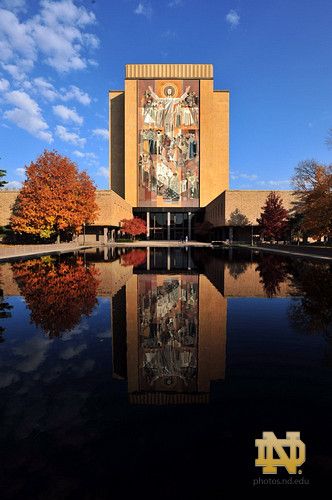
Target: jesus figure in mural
(169, 104)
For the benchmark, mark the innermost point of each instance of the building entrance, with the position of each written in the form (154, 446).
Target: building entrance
(168, 225)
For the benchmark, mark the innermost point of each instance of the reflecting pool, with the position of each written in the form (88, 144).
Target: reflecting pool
(154, 371)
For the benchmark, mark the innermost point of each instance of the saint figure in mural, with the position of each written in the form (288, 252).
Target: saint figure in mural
(169, 104)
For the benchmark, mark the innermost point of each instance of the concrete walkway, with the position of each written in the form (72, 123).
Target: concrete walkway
(14, 251)
(293, 251)
(162, 243)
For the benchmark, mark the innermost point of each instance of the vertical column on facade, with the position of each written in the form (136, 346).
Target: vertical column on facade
(168, 225)
(168, 259)
(147, 225)
(148, 259)
(189, 225)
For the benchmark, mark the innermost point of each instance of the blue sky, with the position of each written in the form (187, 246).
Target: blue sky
(58, 59)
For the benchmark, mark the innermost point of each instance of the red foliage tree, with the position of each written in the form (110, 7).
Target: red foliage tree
(134, 258)
(55, 198)
(133, 226)
(57, 292)
(274, 218)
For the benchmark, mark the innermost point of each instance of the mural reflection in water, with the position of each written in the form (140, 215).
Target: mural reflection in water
(176, 337)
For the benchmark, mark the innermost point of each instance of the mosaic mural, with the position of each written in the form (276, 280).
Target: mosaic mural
(168, 143)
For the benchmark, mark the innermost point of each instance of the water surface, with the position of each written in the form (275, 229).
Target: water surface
(156, 370)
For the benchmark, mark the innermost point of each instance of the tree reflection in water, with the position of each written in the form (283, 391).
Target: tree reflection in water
(273, 271)
(237, 268)
(311, 313)
(136, 257)
(57, 292)
(5, 307)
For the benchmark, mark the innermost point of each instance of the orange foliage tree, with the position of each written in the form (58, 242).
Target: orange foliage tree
(313, 183)
(55, 198)
(134, 226)
(57, 292)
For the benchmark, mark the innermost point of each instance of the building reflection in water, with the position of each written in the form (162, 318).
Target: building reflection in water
(175, 325)
(169, 308)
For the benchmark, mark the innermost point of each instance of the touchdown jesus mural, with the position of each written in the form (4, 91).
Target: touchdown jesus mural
(168, 143)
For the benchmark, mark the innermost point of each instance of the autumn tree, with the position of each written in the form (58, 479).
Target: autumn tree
(55, 198)
(237, 218)
(313, 185)
(134, 226)
(57, 292)
(274, 218)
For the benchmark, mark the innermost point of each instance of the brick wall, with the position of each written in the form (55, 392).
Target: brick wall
(112, 208)
(249, 203)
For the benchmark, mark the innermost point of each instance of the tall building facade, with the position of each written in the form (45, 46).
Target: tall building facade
(169, 144)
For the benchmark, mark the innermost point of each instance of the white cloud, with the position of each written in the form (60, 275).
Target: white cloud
(18, 72)
(233, 18)
(14, 5)
(101, 132)
(81, 154)
(76, 94)
(236, 175)
(13, 185)
(71, 137)
(93, 62)
(175, 3)
(20, 172)
(144, 10)
(168, 34)
(45, 88)
(4, 84)
(50, 93)
(67, 114)
(27, 115)
(276, 183)
(91, 40)
(56, 32)
(104, 172)
(16, 41)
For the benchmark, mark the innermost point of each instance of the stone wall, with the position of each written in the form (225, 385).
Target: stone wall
(249, 203)
(112, 208)
(7, 200)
